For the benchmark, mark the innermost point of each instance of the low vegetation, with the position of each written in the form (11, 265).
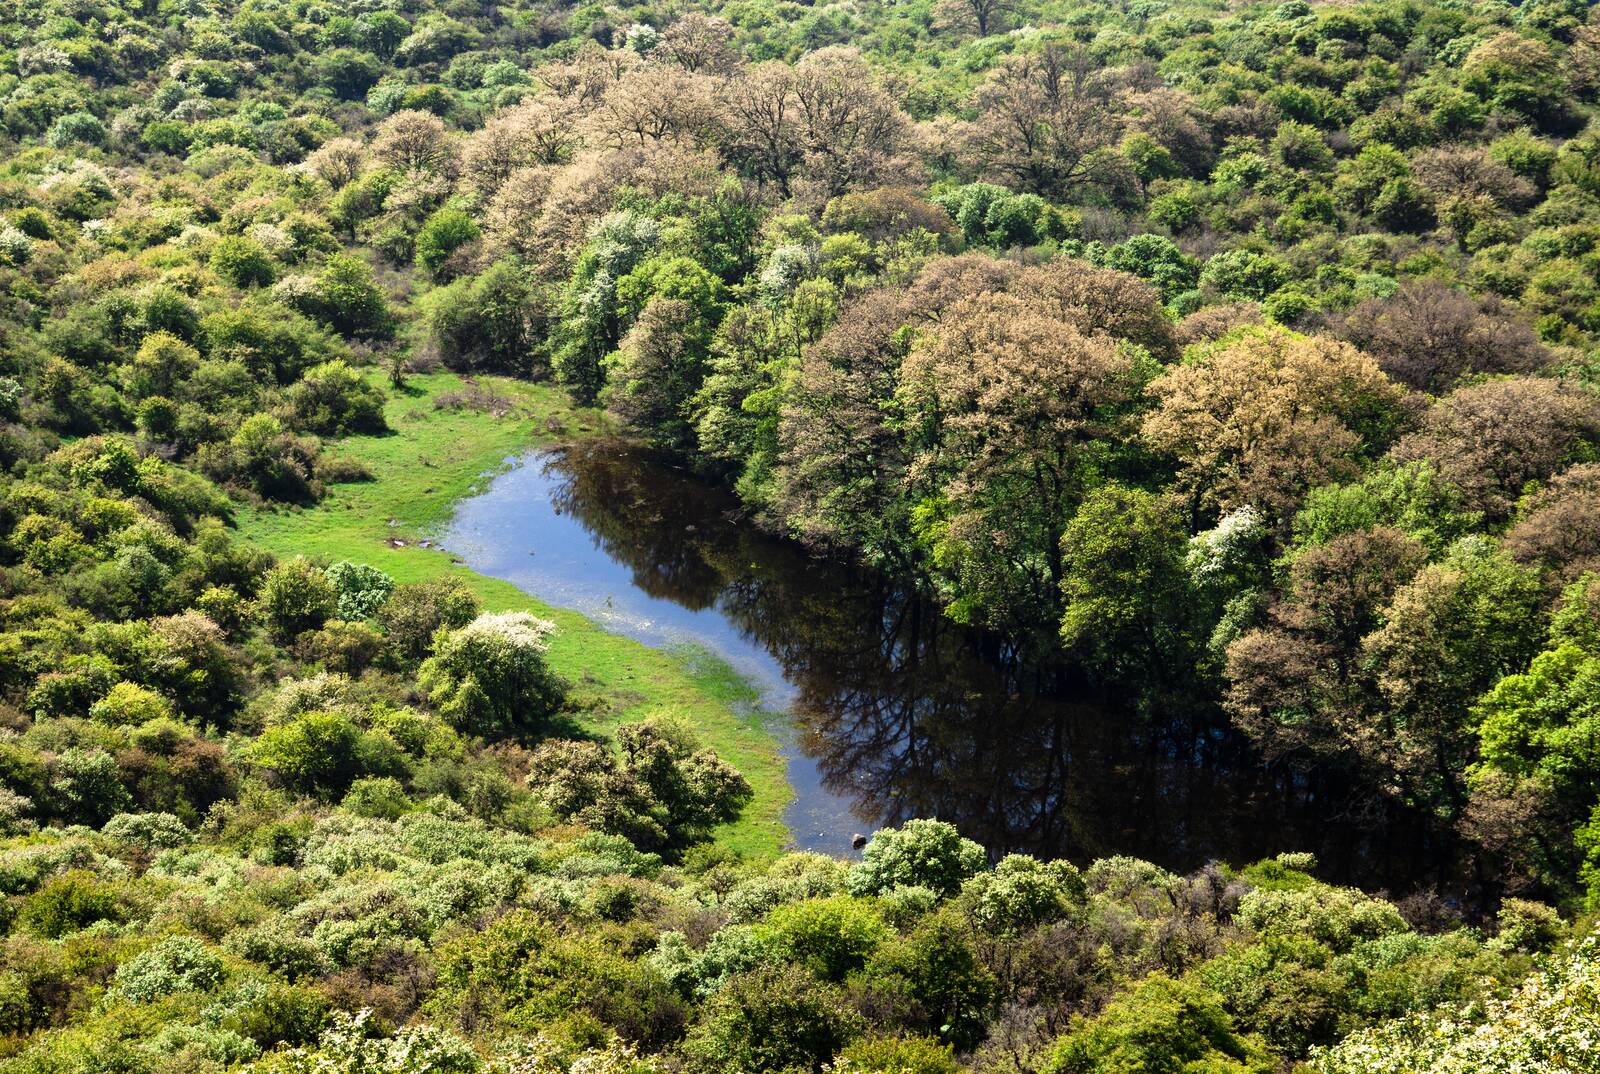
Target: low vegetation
(1241, 354)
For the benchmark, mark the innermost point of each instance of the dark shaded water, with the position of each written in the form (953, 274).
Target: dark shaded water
(896, 711)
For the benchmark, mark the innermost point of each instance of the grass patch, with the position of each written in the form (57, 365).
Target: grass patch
(435, 456)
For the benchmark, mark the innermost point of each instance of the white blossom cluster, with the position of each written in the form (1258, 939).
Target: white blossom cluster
(1551, 1025)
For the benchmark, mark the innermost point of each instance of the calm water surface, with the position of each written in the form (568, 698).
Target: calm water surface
(888, 710)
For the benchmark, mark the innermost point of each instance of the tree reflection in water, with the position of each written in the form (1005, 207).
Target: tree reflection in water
(911, 715)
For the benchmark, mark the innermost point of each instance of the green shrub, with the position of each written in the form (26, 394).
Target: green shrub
(1158, 1025)
(376, 796)
(242, 262)
(445, 232)
(130, 703)
(334, 399)
(324, 752)
(831, 937)
(778, 1018)
(297, 597)
(921, 853)
(897, 1055)
(415, 612)
(362, 589)
(67, 903)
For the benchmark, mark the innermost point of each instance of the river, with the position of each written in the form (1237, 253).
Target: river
(887, 710)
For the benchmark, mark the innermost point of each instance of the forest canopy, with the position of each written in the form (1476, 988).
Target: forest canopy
(1242, 355)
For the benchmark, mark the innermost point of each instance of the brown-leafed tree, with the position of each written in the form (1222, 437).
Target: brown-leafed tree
(1429, 335)
(538, 131)
(840, 476)
(1042, 117)
(700, 43)
(1558, 527)
(1491, 439)
(1002, 397)
(658, 103)
(415, 141)
(1296, 685)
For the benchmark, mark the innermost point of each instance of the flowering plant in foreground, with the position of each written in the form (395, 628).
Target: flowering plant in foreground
(1551, 1024)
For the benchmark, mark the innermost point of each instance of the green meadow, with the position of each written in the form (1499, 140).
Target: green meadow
(436, 454)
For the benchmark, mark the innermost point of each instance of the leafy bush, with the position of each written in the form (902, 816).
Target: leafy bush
(775, 1019)
(663, 793)
(831, 937)
(242, 262)
(1159, 1024)
(130, 703)
(179, 964)
(921, 853)
(67, 903)
(362, 589)
(297, 597)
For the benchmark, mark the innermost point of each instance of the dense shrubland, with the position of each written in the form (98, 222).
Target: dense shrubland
(1242, 353)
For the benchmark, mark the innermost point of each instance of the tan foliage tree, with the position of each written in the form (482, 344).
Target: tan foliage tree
(1211, 323)
(853, 131)
(1041, 118)
(337, 162)
(1490, 440)
(879, 214)
(1268, 416)
(841, 470)
(589, 75)
(1175, 121)
(538, 131)
(1001, 396)
(1296, 685)
(1100, 301)
(1559, 526)
(415, 141)
(1466, 172)
(818, 129)
(658, 103)
(700, 43)
(513, 212)
(584, 190)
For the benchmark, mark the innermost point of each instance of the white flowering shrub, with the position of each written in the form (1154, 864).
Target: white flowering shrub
(347, 1047)
(323, 692)
(920, 853)
(490, 677)
(42, 59)
(16, 248)
(544, 1056)
(643, 38)
(1217, 557)
(786, 266)
(1550, 1025)
(734, 949)
(792, 878)
(1022, 892)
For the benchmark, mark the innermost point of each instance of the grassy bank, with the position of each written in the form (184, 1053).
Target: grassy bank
(435, 456)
